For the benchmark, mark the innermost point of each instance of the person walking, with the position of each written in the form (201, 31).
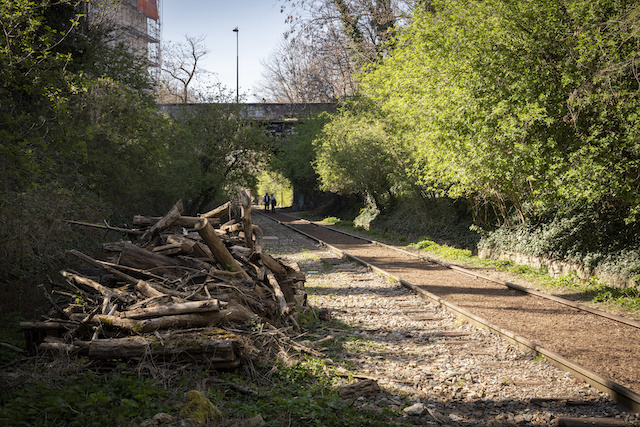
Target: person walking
(266, 202)
(273, 203)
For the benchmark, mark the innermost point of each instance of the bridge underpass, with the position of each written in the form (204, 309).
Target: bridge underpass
(280, 119)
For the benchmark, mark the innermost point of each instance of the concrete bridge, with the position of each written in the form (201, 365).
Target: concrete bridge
(280, 118)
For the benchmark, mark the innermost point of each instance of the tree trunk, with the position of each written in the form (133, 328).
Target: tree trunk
(184, 221)
(141, 286)
(234, 313)
(114, 293)
(213, 349)
(280, 274)
(137, 257)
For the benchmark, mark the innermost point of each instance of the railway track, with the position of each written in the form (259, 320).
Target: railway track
(598, 347)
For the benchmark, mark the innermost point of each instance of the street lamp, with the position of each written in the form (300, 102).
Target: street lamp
(235, 30)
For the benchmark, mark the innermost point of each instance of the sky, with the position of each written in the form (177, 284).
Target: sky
(260, 28)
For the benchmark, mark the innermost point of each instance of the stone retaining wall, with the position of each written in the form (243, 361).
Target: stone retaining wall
(558, 268)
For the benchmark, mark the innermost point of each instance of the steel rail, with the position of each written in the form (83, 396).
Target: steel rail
(618, 393)
(560, 300)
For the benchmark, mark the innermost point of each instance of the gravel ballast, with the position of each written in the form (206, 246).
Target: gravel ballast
(435, 367)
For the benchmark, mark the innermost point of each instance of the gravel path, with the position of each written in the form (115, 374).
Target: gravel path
(445, 370)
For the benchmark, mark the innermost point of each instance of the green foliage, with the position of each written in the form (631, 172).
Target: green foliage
(303, 395)
(34, 89)
(82, 400)
(125, 142)
(214, 153)
(356, 155)
(81, 138)
(274, 183)
(517, 106)
(588, 235)
(331, 220)
(296, 154)
(527, 110)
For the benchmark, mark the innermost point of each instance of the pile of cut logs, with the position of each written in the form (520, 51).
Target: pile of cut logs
(185, 288)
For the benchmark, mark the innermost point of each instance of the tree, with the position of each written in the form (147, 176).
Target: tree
(77, 136)
(373, 171)
(328, 43)
(34, 88)
(181, 67)
(215, 152)
(295, 73)
(296, 155)
(125, 140)
(521, 106)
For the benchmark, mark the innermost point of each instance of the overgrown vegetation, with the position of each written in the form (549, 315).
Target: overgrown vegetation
(295, 156)
(83, 399)
(82, 138)
(303, 394)
(527, 118)
(293, 390)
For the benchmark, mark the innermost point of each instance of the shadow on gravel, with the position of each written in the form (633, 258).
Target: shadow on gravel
(353, 290)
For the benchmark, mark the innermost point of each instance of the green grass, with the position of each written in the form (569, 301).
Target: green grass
(448, 252)
(74, 392)
(82, 399)
(592, 290)
(304, 394)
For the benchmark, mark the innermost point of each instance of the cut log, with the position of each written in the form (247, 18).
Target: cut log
(88, 283)
(281, 275)
(213, 348)
(141, 286)
(257, 233)
(171, 309)
(183, 221)
(198, 249)
(218, 248)
(282, 302)
(137, 257)
(164, 222)
(174, 249)
(233, 313)
(273, 265)
(230, 227)
(35, 333)
(218, 212)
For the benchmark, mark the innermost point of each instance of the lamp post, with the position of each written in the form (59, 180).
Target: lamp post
(235, 30)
